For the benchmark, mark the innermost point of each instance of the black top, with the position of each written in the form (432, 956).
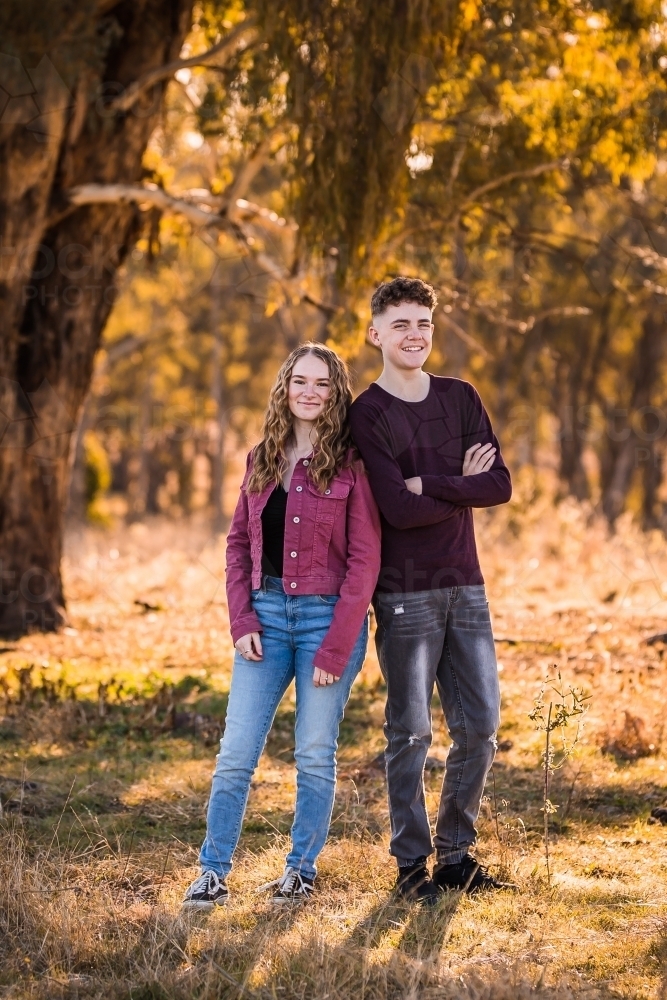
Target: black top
(273, 532)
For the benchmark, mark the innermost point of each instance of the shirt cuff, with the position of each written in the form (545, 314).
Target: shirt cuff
(332, 665)
(244, 625)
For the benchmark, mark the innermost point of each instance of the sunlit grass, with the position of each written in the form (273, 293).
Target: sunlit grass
(104, 792)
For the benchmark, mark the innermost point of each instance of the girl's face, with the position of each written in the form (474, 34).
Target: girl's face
(309, 388)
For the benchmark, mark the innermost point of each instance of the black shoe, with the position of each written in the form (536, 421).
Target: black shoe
(291, 887)
(206, 892)
(467, 876)
(659, 815)
(414, 884)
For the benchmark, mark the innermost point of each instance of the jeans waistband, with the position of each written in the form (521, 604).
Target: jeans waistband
(273, 583)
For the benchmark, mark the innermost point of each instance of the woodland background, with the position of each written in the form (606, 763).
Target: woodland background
(188, 190)
(518, 166)
(191, 190)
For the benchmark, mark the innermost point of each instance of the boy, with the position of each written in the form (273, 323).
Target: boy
(431, 457)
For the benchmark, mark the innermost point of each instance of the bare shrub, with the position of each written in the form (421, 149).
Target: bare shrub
(631, 741)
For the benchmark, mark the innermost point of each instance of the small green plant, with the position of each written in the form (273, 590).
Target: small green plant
(554, 715)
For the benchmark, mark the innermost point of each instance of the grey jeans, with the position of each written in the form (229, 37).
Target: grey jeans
(440, 637)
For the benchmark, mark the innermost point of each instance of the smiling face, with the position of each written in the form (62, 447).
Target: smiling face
(404, 333)
(309, 388)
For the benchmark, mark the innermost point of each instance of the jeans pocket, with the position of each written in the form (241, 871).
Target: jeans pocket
(329, 599)
(472, 618)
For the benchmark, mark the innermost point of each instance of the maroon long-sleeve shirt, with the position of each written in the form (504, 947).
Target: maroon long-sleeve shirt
(428, 541)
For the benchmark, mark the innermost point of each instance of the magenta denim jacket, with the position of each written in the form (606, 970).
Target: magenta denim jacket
(332, 546)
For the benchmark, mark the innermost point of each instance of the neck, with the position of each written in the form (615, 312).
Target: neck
(303, 436)
(412, 385)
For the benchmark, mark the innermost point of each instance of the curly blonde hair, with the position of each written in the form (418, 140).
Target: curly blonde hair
(331, 428)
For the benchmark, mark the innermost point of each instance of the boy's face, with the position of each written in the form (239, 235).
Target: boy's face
(404, 333)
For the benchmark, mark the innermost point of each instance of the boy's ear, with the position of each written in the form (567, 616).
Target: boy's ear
(373, 335)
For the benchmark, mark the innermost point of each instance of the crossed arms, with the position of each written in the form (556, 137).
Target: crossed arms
(430, 499)
(478, 458)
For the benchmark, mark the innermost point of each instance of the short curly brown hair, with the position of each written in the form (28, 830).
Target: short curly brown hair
(401, 289)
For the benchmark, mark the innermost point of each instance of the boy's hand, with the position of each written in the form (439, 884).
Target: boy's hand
(414, 485)
(478, 458)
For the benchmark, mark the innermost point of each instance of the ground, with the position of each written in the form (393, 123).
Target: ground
(107, 742)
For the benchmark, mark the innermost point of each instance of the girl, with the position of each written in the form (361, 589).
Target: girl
(303, 556)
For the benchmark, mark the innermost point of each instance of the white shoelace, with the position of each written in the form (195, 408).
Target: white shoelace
(208, 882)
(289, 882)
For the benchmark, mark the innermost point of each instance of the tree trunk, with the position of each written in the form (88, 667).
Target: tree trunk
(653, 472)
(58, 264)
(576, 388)
(218, 395)
(77, 500)
(632, 439)
(572, 470)
(140, 485)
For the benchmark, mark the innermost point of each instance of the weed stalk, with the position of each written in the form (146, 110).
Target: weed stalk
(568, 704)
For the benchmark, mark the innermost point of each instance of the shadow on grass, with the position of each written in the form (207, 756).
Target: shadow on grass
(604, 803)
(660, 953)
(395, 943)
(394, 947)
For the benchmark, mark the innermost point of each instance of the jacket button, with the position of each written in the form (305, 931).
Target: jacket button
(293, 586)
(296, 520)
(293, 555)
(306, 462)
(299, 489)
(327, 492)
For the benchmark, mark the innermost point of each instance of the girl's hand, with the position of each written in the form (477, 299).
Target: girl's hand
(321, 678)
(478, 458)
(250, 646)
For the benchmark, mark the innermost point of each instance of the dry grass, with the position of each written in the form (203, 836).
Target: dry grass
(107, 745)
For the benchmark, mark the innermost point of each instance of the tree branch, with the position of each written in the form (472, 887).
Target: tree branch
(456, 165)
(212, 213)
(324, 307)
(514, 175)
(120, 348)
(114, 194)
(267, 217)
(243, 209)
(464, 335)
(523, 326)
(220, 53)
(204, 218)
(246, 175)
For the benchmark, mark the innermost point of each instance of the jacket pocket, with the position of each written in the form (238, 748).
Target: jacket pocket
(327, 508)
(332, 501)
(338, 489)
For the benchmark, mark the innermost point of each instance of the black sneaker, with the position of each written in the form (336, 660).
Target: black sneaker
(414, 884)
(467, 876)
(207, 891)
(291, 887)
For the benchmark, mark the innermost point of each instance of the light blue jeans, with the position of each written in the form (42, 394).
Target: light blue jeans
(293, 630)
